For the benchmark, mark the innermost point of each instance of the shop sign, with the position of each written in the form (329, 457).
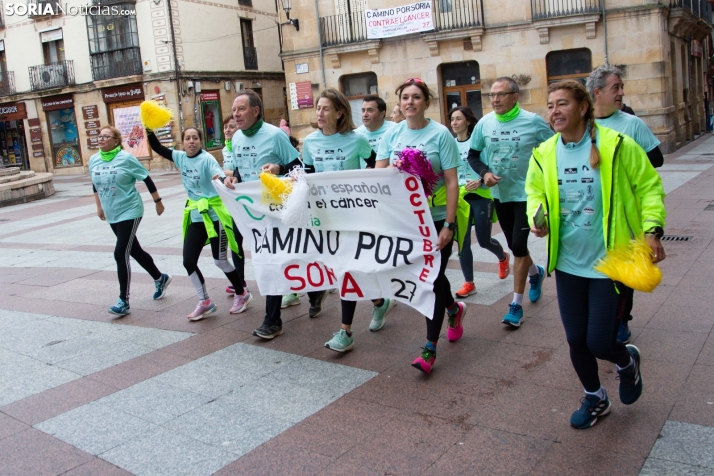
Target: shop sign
(92, 142)
(697, 49)
(90, 112)
(13, 111)
(93, 132)
(52, 35)
(35, 135)
(123, 93)
(38, 154)
(91, 125)
(37, 147)
(301, 95)
(34, 122)
(55, 103)
(210, 96)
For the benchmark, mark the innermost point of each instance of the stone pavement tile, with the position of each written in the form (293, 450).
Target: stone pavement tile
(153, 401)
(482, 450)
(164, 452)
(104, 357)
(33, 452)
(706, 357)
(55, 401)
(34, 382)
(97, 466)
(662, 467)
(206, 342)
(53, 278)
(570, 458)
(366, 356)
(54, 308)
(95, 428)
(537, 334)
(251, 359)
(669, 346)
(274, 458)
(9, 426)
(663, 381)
(681, 318)
(685, 443)
(138, 369)
(15, 273)
(206, 379)
(408, 445)
(342, 468)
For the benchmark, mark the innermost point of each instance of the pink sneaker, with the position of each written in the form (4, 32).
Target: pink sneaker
(203, 310)
(456, 328)
(230, 290)
(425, 361)
(240, 302)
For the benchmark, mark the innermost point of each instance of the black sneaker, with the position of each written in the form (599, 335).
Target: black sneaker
(592, 407)
(316, 308)
(268, 331)
(631, 379)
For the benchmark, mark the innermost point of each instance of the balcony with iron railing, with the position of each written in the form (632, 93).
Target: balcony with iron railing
(7, 83)
(52, 75)
(116, 64)
(699, 8)
(544, 9)
(250, 57)
(43, 8)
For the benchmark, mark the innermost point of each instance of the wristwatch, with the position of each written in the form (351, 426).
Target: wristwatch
(657, 231)
(450, 226)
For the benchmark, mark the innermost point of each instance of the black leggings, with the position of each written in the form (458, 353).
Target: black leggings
(591, 310)
(442, 291)
(513, 218)
(128, 245)
(193, 244)
(239, 260)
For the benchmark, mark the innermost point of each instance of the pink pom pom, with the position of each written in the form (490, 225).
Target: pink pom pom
(415, 162)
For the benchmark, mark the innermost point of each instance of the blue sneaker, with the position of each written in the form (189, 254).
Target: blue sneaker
(536, 284)
(162, 284)
(592, 408)
(514, 317)
(624, 333)
(630, 378)
(121, 308)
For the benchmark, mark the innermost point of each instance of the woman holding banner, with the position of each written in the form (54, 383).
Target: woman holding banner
(439, 146)
(206, 220)
(336, 132)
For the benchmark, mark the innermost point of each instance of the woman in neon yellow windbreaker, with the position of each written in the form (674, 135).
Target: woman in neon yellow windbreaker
(599, 191)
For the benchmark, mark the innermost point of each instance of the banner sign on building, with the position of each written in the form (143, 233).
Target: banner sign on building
(397, 21)
(370, 235)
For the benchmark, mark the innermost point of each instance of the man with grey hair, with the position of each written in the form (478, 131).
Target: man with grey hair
(606, 90)
(501, 146)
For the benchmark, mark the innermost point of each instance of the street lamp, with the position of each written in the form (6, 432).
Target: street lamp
(291, 21)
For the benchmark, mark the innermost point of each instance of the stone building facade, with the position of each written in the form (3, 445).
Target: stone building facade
(661, 46)
(66, 73)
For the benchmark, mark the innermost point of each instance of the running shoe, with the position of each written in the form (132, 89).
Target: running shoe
(162, 284)
(316, 309)
(466, 290)
(268, 331)
(232, 290)
(290, 300)
(340, 342)
(379, 313)
(455, 328)
(630, 378)
(240, 302)
(536, 284)
(203, 310)
(514, 316)
(425, 362)
(121, 308)
(504, 267)
(591, 408)
(624, 333)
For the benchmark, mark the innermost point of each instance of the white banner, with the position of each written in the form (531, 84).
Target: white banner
(370, 236)
(397, 21)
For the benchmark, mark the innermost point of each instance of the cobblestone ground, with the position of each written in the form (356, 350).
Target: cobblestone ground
(82, 393)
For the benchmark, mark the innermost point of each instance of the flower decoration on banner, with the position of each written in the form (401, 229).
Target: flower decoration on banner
(415, 162)
(154, 115)
(292, 193)
(632, 266)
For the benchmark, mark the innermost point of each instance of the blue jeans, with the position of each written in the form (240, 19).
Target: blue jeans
(480, 216)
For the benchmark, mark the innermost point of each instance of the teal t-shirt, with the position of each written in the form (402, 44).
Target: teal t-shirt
(335, 152)
(434, 140)
(197, 177)
(506, 149)
(375, 137)
(581, 234)
(464, 170)
(270, 145)
(632, 126)
(228, 162)
(115, 184)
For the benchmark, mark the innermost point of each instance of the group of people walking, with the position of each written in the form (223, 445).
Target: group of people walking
(589, 169)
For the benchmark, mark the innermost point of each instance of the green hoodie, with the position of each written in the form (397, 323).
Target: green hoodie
(632, 192)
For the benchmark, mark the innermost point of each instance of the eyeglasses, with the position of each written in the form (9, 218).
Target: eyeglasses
(105, 137)
(498, 95)
(414, 80)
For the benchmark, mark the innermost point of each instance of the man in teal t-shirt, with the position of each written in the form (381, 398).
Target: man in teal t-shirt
(501, 146)
(374, 112)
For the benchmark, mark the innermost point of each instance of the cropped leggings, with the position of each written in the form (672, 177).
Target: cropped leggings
(128, 245)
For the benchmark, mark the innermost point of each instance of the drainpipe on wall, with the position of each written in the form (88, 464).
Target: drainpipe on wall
(319, 39)
(604, 33)
(176, 64)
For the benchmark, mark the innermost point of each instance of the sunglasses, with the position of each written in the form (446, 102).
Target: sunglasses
(414, 80)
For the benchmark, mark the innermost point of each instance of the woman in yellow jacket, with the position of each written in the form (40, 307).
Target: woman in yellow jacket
(599, 191)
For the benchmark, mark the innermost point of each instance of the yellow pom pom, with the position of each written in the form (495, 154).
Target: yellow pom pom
(632, 266)
(154, 115)
(275, 189)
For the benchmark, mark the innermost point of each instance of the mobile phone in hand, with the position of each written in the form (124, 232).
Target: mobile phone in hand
(539, 217)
